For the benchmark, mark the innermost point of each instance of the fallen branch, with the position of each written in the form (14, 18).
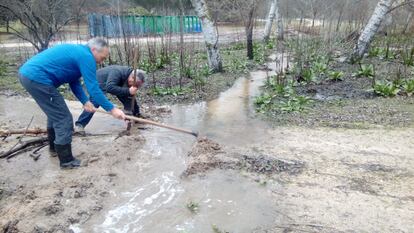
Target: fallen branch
(23, 145)
(24, 134)
(5, 133)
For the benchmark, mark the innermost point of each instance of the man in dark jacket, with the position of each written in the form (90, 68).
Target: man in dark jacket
(118, 81)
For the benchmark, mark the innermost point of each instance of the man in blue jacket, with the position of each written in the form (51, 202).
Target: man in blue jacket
(119, 81)
(45, 72)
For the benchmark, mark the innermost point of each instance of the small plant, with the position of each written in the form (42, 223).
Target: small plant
(319, 67)
(336, 75)
(408, 87)
(199, 81)
(386, 89)
(193, 207)
(162, 91)
(259, 55)
(3, 67)
(375, 52)
(238, 66)
(217, 230)
(308, 75)
(205, 70)
(264, 102)
(366, 71)
(294, 104)
(407, 57)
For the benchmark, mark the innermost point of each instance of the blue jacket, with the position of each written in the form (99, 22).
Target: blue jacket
(66, 64)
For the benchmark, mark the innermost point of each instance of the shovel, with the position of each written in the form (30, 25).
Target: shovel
(149, 122)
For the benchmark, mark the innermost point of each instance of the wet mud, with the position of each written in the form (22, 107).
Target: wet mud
(207, 154)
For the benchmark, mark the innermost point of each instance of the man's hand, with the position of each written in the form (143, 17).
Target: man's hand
(133, 90)
(88, 106)
(118, 113)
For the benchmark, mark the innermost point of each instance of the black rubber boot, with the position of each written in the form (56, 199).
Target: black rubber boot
(66, 158)
(51, 139)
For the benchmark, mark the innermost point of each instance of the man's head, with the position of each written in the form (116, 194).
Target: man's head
(99, 48)
(139, 78)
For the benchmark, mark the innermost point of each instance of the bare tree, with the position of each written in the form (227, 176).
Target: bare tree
(371, 28)
(41, 19)
(210, 35)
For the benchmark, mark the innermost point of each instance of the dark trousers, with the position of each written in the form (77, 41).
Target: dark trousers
(86, 117)
(53, 105)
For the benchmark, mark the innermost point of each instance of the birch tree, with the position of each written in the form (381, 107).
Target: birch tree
(210, 35)
(269, 20)
(279, 22)
(371, 29)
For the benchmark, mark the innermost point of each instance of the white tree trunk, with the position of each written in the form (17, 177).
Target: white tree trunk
(269, 21)
(210, 35)
(279, 22)
(371, 28)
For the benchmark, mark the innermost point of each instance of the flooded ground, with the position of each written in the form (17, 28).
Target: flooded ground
(348, 181)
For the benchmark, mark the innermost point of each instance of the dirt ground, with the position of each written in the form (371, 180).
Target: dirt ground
(37, 196)
(321, 179)
(326, 180)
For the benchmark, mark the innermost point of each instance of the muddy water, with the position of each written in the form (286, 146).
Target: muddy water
(157, 201)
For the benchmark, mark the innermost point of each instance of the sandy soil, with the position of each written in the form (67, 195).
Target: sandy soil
(343, 181)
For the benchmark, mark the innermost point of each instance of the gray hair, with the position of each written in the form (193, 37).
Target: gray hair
(140, 75)
(97, 43)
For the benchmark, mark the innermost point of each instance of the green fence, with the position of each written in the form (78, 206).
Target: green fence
(116, 26)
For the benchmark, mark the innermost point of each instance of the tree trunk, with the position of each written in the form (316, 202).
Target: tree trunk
(249, 33)
(279, 22)
(371, 28)
(269, 21)
(210, 35)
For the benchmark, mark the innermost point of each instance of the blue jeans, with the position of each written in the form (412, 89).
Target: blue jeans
(53, 105)
(86, 117)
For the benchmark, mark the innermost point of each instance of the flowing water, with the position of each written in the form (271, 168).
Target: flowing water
(157, 201)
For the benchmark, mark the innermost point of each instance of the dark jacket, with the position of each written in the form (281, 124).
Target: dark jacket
(114, 79)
